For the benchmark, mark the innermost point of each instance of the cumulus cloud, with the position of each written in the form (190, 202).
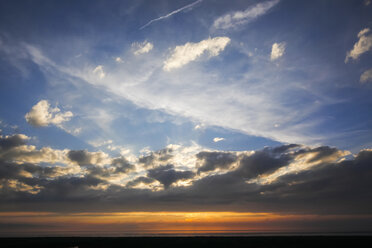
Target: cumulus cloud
(237, 18)
(182, 55)
(99, 72)
(22, 164)
(218, 139)
(366, 76)
(141, 48)
(277, 50)
(363, 45)
(42, 115)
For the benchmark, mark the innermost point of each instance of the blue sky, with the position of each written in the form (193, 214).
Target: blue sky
(126, 79)
(308, 95)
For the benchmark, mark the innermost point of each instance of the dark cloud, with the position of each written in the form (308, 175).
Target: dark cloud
(122, 165)
(261, 162)
(138, 180)
(8, 142)
(284, 148)
(162, 155)
(167, 175)
(210, 161)
(82, 157)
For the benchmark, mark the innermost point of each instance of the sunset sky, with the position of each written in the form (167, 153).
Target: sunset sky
(207, 116)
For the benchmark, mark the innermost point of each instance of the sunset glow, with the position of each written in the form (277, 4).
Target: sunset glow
(185, 117)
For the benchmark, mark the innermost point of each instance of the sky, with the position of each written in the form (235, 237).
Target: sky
(206, 116)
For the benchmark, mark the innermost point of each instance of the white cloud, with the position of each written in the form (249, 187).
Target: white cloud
(218, 139)
(199, 126)
(184, 54)
(366, 76)
(42, 115)
(189, 6)
(99, 143)
(119, 60)
(277, 50)
(363, 45)
(99, 72)
(141, 48)
(242, 17)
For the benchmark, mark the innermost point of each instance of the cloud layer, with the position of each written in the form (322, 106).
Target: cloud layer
(288, 178)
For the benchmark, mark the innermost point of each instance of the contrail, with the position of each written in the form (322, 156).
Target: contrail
(171, 13)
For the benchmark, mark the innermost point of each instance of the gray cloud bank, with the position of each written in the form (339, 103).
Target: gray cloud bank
(286, 179)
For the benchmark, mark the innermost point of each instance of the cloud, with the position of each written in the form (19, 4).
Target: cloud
(119, 60)
(288, 178)
(42, 115)
(199, 127)
(182, 55)
(154, 159)
(218, 139)
(9, 142)
(83, 157)
(141, 48)
(122, 165)
(277, 50)
(366, 76)
(189, 6)
(210, 161)
(99, 72)
(167, 175)
(141, 182)
(363, 45)
(238, 18)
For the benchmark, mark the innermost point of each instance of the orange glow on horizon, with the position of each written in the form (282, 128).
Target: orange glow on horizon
(158, 222)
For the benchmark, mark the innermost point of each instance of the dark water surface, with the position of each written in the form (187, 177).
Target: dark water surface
(191, 242)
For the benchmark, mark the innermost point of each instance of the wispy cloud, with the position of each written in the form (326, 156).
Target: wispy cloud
(172, 13)
(253, 110)
(242, 17)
